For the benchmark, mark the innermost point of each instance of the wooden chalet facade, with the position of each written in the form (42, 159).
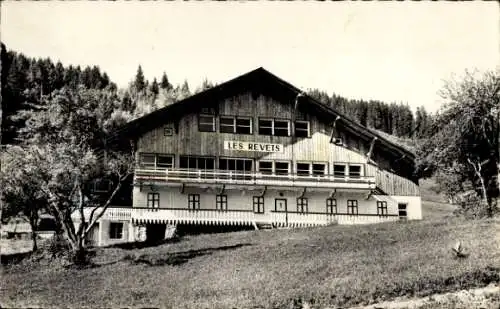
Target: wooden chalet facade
(256, 151)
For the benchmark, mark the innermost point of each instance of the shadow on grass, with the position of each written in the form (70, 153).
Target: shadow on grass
(178, 258)
(14, 258)
(145, 244)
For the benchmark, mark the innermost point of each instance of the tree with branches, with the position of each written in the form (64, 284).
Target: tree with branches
(65, 153)
(464, 139)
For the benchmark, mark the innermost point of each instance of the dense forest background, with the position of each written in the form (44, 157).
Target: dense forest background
(26, 81)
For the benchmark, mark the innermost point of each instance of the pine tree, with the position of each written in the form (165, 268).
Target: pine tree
(140, 81)
(164, 83)
(154, 87)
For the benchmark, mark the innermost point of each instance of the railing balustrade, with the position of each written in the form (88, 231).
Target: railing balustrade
(252, 178)
(279, 219)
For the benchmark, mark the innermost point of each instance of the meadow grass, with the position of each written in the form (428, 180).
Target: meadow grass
(325, 266)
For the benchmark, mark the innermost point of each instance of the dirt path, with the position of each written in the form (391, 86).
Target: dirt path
(487, 297)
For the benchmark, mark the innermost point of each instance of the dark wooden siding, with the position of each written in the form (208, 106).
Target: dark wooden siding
(188, 140)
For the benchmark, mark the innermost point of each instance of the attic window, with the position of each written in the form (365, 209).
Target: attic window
(206, 123)
(168, 131)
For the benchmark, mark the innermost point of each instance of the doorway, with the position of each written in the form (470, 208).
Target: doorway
(280, 205)
(155, 233)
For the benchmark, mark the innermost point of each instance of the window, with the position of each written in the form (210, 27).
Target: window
(151, 160)
(281, 168)
(236, 164)
(352, 207)
(339, 170)
(153, 200)
(258, 204)
(281, 128)
(115, 230)
(381, 208)
(206, 123)
(331, 206)
(167, 131)
(403, 214)
(243, 125)
(194, 201)
(302, 129)
(354, 171)
(302, 205)
(274, 127)
(147, 160)
(221, 202)
(318, 169)
(266, 167)
(199, 163)
(266, 127)
(164, 161)
(303, 169)
(227, 124)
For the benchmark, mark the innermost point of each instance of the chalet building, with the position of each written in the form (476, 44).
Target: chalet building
(256, 151)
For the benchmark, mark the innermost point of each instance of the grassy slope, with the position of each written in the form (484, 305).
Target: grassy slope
(335, 265)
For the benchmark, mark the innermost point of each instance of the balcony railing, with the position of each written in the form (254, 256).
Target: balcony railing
(111, 213)
(253, 178)
(279, 219)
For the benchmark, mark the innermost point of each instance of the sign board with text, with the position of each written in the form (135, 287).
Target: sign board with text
(250, 146)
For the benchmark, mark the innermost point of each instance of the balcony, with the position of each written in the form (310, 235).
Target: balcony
(279, 219)
(173, 176)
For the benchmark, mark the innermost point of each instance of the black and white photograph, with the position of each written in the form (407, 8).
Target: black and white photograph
(250, 154)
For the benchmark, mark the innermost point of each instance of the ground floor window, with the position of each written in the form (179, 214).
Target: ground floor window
(258, 204)
(221, 202)
(381, 208)
(153, 200)
(352, 207)
(302, 205)
(115, 230)
(402, 211)
(331, 206)
(194, 201)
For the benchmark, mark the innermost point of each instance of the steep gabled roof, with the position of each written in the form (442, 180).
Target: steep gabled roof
(258, 80)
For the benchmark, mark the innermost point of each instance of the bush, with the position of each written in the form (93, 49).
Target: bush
(471, 206)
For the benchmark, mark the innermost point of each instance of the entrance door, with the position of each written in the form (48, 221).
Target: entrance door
(280, 206)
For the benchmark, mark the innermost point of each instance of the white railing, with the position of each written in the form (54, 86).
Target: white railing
(111, 213)
(186, 216)
(279, 219)
(253, 178)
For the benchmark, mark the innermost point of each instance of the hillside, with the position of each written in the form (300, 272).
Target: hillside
(327, 266)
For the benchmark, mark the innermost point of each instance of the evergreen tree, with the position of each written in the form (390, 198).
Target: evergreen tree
(154, 88)
(139, 81)
(164, 83)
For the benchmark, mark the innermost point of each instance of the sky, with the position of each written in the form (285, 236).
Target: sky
(389, 51)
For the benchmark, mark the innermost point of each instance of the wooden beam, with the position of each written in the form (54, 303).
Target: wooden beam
(263, 192)
(222, 189)
(303, 193)
(370, 152)
(369, 194)
(334, 129)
